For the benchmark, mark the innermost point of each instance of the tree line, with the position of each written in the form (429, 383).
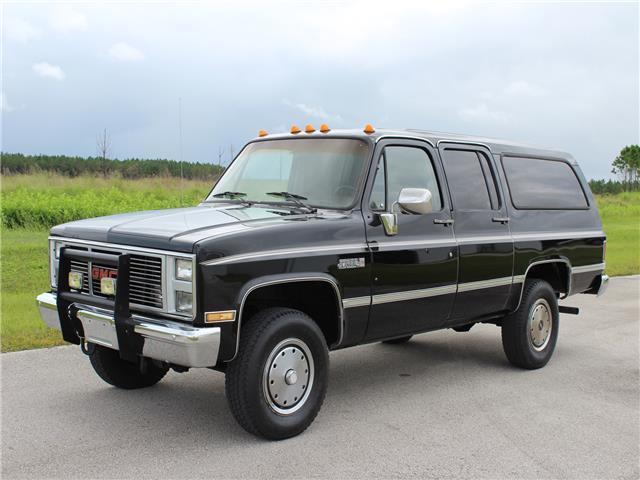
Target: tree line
(132, 168)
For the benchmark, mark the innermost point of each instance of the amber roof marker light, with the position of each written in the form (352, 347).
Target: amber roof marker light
(262, 133)
(295, 129)
(324, 128)
(368, 129)
(309, 128)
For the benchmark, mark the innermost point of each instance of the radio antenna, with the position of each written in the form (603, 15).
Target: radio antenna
(180, 150)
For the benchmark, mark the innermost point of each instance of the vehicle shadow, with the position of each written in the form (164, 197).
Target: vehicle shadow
(191, 408)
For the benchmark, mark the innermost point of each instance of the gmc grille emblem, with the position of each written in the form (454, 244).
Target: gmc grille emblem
(98, 273)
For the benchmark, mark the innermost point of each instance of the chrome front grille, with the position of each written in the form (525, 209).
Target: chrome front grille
(152, 280)
(145, 278)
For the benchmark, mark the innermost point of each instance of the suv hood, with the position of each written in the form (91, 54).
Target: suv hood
(175, 229)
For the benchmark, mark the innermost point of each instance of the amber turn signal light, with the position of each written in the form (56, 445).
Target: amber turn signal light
(225, 316)
(324, 128)
(309, 128)
(262, 133)
(295, 129)
(368, 129)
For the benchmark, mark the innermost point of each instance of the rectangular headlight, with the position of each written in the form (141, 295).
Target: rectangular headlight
(184, 269)
(75, 280)
(184, 302)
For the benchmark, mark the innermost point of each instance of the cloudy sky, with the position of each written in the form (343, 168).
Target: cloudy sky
(557, 74)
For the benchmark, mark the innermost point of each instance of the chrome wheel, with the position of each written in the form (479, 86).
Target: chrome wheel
(288, 376)
(540, 324)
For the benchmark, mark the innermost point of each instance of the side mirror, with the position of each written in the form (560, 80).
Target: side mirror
(415, 200)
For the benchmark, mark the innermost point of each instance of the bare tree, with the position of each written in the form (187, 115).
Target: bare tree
(103, 143)
(220, 155)
(231, 153)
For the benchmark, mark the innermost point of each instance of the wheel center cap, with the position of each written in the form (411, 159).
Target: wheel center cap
(291, 377)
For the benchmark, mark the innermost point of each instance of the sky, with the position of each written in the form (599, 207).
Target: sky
(554, 74)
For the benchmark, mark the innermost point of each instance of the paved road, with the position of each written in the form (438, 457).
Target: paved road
(445, 405)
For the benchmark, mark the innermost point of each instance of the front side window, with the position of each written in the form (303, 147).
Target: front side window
(326, 172)
(403, 167)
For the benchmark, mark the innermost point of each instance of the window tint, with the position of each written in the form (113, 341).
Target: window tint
(543, 184)
(406, 167)
(470, 179)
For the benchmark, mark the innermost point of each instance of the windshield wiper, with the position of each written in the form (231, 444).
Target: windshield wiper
(234, 196)
(295, 198)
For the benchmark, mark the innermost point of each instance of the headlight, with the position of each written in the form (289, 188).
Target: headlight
(184, 302)
(184, 269)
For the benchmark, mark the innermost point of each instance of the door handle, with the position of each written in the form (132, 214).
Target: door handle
(502, 220)
(443, 221)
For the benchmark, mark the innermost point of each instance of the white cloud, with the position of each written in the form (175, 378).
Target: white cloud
(482, 113)
(18, 30)
(125, 53)
(521, 87)
(67, 20)
(312, 111)
(45, 69)
(4, 104)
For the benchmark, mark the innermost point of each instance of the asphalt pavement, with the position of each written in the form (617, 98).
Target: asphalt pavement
(445, 405)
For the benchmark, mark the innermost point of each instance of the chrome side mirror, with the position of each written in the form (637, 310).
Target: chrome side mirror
(390, 223)
(416, 200)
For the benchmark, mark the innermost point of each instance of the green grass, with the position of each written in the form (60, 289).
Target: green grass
(25, 274)
(621, 222)
(39, 201)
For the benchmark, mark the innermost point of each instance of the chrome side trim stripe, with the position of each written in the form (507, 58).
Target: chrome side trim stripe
(417, 243)
(558, 235)
(356, 302)
(494, 282)
(596, 267)
(412, 294)
(267, 254)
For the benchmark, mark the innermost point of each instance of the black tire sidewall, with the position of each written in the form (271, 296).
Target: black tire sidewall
(292, 324)
(533, 357)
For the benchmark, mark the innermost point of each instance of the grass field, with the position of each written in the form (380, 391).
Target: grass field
(31, 202)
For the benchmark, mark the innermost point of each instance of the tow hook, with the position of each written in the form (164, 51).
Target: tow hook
(87, 347)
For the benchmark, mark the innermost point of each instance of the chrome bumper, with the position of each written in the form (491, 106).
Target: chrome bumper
(604, 283)
(164, 340)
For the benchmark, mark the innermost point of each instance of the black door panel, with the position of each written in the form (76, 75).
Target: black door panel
(414, 273)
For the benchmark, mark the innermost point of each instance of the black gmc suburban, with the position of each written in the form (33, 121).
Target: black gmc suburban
(319, 240)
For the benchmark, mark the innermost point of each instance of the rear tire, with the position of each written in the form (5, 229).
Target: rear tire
(529, 334)
(277, 383)
(122, 374)
(397, 341)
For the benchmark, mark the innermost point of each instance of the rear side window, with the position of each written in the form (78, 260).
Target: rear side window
(470, 179)
(537, 184)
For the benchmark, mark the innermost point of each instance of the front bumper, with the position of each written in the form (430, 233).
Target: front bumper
(164, 340)
(603, 284)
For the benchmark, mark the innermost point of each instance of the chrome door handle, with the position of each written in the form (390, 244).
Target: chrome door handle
(443, 221)
(500, 219)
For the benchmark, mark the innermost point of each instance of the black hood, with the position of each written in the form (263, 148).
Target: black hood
(175, 229)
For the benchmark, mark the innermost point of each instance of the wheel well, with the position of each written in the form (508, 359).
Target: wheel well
(555, 273)
(318, 299)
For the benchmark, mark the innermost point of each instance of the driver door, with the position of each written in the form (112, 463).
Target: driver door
(414, 272)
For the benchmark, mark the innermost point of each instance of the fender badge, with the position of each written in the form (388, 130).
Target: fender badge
(347, 263)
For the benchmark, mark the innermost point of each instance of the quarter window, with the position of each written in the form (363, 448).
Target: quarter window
(539, 184)
(403, 167)
(471, 180)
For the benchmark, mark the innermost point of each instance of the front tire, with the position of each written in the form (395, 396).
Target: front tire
(122, 374)
(529, 335)
(277, 383)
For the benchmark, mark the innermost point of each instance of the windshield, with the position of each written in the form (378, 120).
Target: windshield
(324, 173)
